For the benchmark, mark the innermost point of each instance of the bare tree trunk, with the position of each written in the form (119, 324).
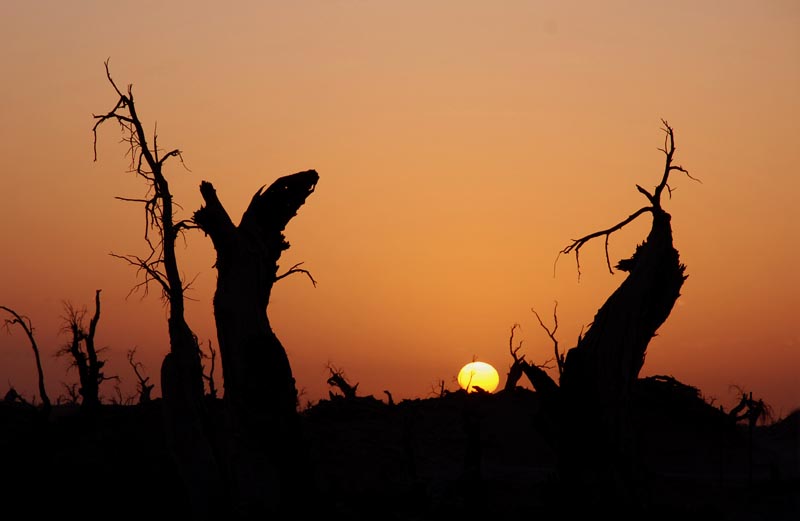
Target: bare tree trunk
(185, 418)
(267, 459)
(85, 359)
(600, 372)
(95, 374)
(591, 406)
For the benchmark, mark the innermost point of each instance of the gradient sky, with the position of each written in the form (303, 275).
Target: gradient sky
(460, 146)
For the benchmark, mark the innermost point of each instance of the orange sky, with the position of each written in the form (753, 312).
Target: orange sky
(460, 146)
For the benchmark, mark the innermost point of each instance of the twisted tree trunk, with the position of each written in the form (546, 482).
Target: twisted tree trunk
(266, 455)
(599, 373)
(591, 407)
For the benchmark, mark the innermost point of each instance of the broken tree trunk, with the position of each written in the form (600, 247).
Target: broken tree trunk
(81, 348)
(266, 456)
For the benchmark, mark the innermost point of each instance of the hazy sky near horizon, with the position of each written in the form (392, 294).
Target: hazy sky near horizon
(460, 146)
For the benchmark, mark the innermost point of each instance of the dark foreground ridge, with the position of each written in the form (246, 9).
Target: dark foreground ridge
(453, 456)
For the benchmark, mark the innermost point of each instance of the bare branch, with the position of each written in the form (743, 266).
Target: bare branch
(186, 224)
(158, 204)
(297, 269)
(514, 350)
(669, 152)
(132, 200)
(149, 267)
(577, 244)
(26, 325)
(559, 357)
(212, 388)
(516, 369)
(654, 199)
(142, 386)
(338, 379)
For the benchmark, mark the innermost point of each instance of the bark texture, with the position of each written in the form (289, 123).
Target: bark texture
(266, 456)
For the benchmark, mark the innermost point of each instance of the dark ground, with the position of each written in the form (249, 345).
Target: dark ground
(410, 461)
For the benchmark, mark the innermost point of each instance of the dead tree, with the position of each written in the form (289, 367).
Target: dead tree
(753, 411)
(267, 469)
(338, 380)
(181, 370)
(25, 323)
(73, 396)
(559, 356)
(12, 396)
(81, 348)
(591, 404)
(515, 371)
(142, 386)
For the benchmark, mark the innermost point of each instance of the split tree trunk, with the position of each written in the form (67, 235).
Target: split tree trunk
(267, 467)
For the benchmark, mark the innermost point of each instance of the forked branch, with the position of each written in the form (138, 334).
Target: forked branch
(142, 384)
(159, 208)
(516, 369)
(559, 357)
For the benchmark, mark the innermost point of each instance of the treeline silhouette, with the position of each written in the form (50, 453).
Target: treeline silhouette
(581, 444)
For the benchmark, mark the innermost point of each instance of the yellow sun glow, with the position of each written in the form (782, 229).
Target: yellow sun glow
(478, 374)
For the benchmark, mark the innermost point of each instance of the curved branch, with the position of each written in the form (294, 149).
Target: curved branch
(296, 269)
(25, 323)
(577, 244)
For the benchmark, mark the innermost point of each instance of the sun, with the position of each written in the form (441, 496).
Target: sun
(478, 374)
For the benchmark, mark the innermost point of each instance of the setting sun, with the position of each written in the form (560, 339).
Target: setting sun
(478, 374)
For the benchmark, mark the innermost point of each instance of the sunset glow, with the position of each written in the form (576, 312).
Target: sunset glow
(478, 374)
(460, 146)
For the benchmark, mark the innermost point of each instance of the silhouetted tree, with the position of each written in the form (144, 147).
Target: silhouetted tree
(12, 396)
(181, 370)
(559, 356)
(25, 323)
(268, 472)
(515, 371)
(81, 347)
(750, 409)
(590, 407)
(142, 386)
(338, 380)
(73, 396)
(439, 390)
